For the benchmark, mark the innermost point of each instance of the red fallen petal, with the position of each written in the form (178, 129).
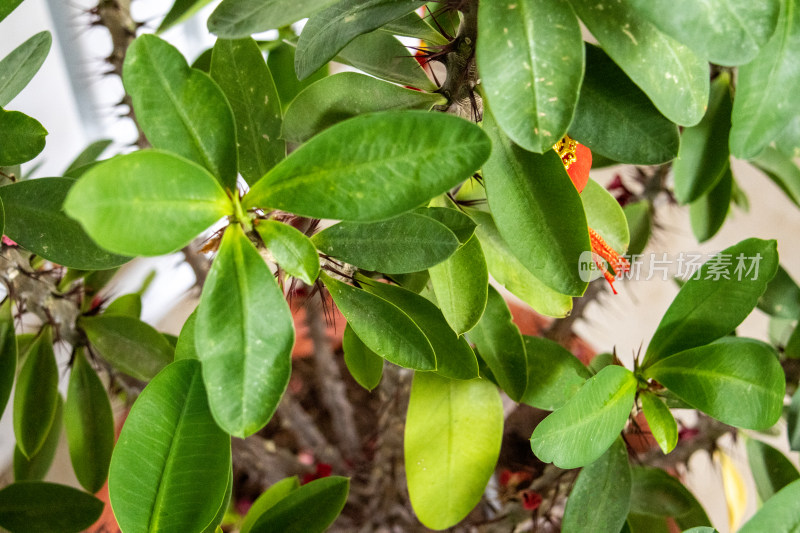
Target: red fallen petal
(579, 170)
(8, 242)
(531, 500)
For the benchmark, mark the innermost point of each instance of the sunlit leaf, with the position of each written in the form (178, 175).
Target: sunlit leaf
(292, 514)
(20, 66)
(21, 138)
(554, 374)
(292, 250)
(86, 158)
(7, 6)
(662, 424)
(268, 498)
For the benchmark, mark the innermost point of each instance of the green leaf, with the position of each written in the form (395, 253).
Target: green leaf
(709, 306)
(381, 326)
(293, 513)
(657, 494)
(792, 419)
(703, 155)
(605, 216)
(662, 423)
(454, 358)
(146, 203)
(382, 55)
(8, 353)
(7, 6)
(179, 12)
(127, 304)
(234, 19)
(407, 243)
(614, 118)
(534, 101)
(215, 525)
(364, 365)
(781, 169)
(452, 442)
(89, 155)
(554, 374)
(780, 514)
(604, 487)
(765, 88)
(537, 210)
(448, 214)
(671, 75)
(461, 285)
(770, 468)
(242, 74)
(329, 30)
(499, 344)
(782, 297)
(585, 427)
(725, 32)
(708, 213)
(268, 499)
(36, 468)
(374, 166)
(244, 336)
(639, 225)
(701, 529)
(509, 272)
(170, 466)
(38, 507)
(413, 25)
(21, 138)
(36, 395)
(20, 66)
(130, 345)
(709, 377)
(281, 63)
(180, 109)
(185, 348)
(292, 250)
(90, 425)
(337, 98)
(36, 221)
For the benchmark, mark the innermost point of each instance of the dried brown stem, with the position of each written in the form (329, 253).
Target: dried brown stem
(295, 419)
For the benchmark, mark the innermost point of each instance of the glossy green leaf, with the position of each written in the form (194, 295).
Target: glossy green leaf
(374, 166)
(244, 337)
(20, 66)
(657, 494)
(461, 285)
(8, 353)
(325, 496)
(614, 118)
(781, 169)
(364, 365)
(671, 75)
(533, 103)
(36, 221)
(180, 109)
(708, 377)
(500, 345)
(407, 243)
(782, 297)
(337, 98)
(601, 496)
(537, 210)
(454, 358)
(770, 468)
(414, 25)
(170, 467)
(215, 525)
(725, 32)
(292, 250)
(793, 422)
(90, 425)
(7, 6)
(21, 137)
(329, 30)
(711, 306)
(127, 304)
(605, 216)
(179, 12)
(509, 272)
(381, 326)
(89, 155)
(662, 424)
(268, 499)
(554, 374)
(703, 155)
(790, 138)
(234, 19)
(36, 468)
(38, 507)
(701, 529)
(780, 514)
(281, 64)
(185, 347)
(382, 55)
(765, 88)
(146, 203)
(452, 442)
(448, 214)
(640, 225)
(242, 74)
(708, 213)
(582, 430)
(130, 345)
(36, 395)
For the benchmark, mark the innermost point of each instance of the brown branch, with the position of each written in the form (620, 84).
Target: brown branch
(295, 419)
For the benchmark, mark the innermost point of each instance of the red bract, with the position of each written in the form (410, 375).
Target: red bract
(531, 500)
